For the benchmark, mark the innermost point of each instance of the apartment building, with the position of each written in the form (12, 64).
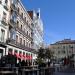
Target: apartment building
(37, 29)
(4, 18)
(63, 48)
(15, 29)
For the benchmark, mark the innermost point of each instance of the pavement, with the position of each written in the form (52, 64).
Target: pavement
(63, 73)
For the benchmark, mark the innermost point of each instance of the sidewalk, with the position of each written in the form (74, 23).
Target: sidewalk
(66, 69)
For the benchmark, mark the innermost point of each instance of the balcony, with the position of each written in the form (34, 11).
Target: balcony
(3, 22)
(23, 32)
(13, 42)
(12, 23)
(13, 7)
(21, 17)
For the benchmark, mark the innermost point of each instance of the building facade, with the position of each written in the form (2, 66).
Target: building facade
(63, 48)
(15, 29)
(4, 19)
(37, 29)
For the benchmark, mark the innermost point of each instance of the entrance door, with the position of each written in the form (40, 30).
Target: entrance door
(1, 53)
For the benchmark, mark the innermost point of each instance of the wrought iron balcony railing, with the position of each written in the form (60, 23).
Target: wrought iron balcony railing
(13, 7)
(12, 23)
(23, 32)
(21, 17)
(4, 22)
(6, 6)
(13, 42)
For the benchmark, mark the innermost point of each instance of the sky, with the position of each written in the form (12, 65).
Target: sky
(58, 17)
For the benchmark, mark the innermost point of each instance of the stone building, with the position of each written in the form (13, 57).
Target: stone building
(63, 48)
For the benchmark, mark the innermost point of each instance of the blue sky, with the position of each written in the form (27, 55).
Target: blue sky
(58, 17)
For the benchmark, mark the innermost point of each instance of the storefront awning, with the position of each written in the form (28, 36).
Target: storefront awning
(17, 55)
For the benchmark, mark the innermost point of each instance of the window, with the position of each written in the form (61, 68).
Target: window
(20, 52)
(21, 26)
(26, 54)
(0, 1)
(20, 40)
(23, 53)
(29, 45)
(16, 51)
(22, 15)
(27, 32)
(24, 42)
(6, 1)
(4, 16)
(2, 35)
(17, 23)
(25, 19)
(27, 22)
(58, 52)
(63, 52)
(10, 51)
(16, 38)
(63, 47)
(14, 1)
(18, 9)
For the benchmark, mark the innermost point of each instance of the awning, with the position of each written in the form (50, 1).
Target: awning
(29, 57)
(24, 56)
(17, 55)
(21, 56)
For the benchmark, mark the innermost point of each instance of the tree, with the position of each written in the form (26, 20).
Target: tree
(41, 53)
(41, 56)
(44, 55)
(48, 54)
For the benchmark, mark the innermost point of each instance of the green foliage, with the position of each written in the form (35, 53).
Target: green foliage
(43, 55)
(48, 54)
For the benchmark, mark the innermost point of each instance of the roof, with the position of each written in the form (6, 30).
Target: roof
(30, 14)
(65, 41)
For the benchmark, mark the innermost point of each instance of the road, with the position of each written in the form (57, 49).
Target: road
(63, 73)
(60, 73)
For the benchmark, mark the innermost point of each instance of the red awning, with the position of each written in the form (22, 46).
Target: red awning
(17, 55)
(24, 57)
(30, 57)
(21, 56)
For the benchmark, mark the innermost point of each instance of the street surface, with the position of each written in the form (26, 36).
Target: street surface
(61, 73)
